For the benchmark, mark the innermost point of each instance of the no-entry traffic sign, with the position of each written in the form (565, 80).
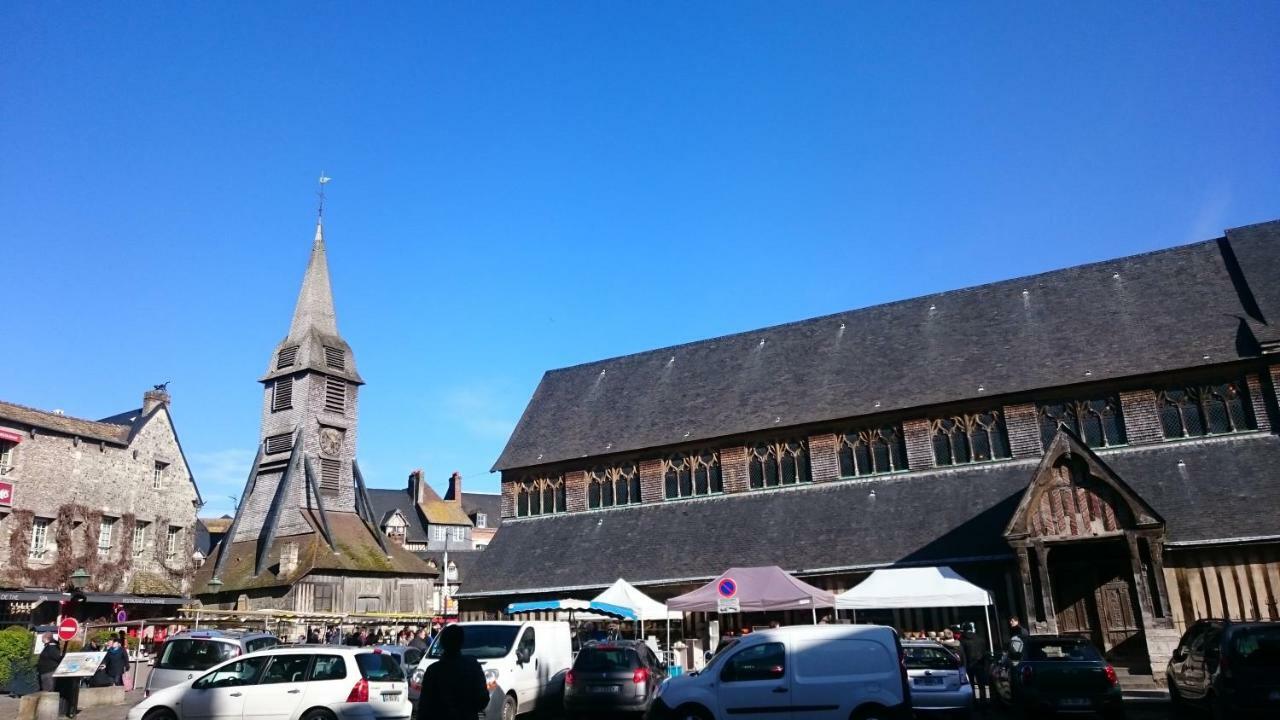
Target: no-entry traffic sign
(727, 588)
(68, 629)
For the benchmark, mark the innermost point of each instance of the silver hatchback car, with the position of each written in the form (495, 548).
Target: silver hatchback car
(938, 680)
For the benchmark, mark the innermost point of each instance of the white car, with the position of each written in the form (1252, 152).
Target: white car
(305, 682)
(815, 672)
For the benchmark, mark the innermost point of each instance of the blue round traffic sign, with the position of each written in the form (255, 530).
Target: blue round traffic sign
(727, 588)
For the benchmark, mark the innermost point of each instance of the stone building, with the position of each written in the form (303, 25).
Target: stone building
(1096, 446)
(114, 497)
(304, 536)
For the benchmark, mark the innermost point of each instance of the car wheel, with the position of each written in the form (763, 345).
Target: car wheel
(317, 714)
(692, 712)
(160, 714)
(508, 708)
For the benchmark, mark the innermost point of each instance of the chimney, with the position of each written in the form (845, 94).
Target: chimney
(455, 488)
(416, 484)
(288, 559)
(154, 398)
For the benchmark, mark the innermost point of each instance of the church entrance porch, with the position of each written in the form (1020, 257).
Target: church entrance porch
(1094, 595)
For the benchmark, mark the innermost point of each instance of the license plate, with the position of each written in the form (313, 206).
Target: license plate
(928, 681)
(1074, 702)
(390, 697)
(605, 688)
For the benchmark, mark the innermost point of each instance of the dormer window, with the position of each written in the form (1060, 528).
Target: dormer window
(288, 356)
(335, 358)
(482, 520)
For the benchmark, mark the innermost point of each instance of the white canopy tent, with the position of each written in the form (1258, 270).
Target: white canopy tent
(624, 594)
(917, 588)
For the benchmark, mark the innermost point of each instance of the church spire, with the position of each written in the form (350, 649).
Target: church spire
(314, 310)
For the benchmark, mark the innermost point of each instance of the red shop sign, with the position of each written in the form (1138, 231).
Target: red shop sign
(6, 494)
(10, 436)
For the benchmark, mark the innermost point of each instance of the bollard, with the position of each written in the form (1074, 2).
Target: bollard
(48, 706)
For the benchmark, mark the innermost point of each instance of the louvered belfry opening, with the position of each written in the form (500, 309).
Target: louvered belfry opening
(335, 395)
(287, 357)
(282, 394)
(335, 358)
(330, 472)
(279, 443)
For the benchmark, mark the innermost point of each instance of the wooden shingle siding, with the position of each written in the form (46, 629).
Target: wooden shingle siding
(1238, 583)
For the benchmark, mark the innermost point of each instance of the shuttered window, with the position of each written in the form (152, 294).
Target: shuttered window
(335, 358)
(335, 395)
(279, 443)
(288, 356)
(282, 394)
(329, 472)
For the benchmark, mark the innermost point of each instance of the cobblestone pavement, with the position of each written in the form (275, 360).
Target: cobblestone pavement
(1135, 710)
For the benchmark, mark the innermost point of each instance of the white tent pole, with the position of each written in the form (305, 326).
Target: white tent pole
(986, 615)
(853, 615)
(815, 615)
(670, 656)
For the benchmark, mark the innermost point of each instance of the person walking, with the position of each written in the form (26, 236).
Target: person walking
(975, 664)
(50, 658)
(453, 687)
(116, 661)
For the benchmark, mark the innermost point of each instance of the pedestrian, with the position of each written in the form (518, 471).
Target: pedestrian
(334, 636)
(975, 664)
(1015, 627)
(50, 658)
(419, 640)
(116, 661)
(453, 687)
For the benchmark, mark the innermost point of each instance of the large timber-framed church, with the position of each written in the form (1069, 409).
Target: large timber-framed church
(305, 537)
(1097, 446)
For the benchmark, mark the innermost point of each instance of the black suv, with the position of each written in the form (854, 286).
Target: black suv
(1230, 668)
(612, 677)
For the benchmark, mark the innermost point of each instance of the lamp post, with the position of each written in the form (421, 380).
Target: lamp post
(79, 578)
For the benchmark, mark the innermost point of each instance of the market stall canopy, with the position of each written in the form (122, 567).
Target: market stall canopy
(913, 588)
(573, 604)
(624, 594)
(757, 589)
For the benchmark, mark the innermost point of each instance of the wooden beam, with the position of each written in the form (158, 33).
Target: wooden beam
(1046, 588)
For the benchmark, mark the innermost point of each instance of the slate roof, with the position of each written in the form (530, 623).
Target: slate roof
(107, 430)
(441, 512)
(1148, 313)
(464, 560)
(488, 503)
(927, 517)
(358, 552)
(384, 502)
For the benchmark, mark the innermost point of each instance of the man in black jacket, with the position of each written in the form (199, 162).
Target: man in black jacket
(50, 657)
(975, 663)
(116, 662)
(453, 687)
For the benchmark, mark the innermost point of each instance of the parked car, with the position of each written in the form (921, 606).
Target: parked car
(303, 682)
(524, 663)
(408, 657)
(612, 677)
(818, 672)
(1056, 673)
(939, 682)
(1229, 668)
(186, 655)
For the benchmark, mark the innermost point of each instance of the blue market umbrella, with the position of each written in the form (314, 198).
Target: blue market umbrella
(571, 606)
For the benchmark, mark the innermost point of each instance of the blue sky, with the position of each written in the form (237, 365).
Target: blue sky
(523, 186)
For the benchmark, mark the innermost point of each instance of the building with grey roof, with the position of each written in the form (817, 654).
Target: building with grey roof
(1096, 446)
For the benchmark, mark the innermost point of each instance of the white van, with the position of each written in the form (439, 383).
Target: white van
(524, 663)
(818, 672)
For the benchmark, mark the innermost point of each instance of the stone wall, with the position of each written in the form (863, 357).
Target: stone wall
(50, 470)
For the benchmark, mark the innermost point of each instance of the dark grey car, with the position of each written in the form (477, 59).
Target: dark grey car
(611, 678)
(1230, 668)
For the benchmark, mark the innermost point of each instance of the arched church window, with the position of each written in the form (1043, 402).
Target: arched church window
(1098, 422)
(540, 496)
(610, 486)
(970, 438)
(872, 451)
(692, 474)
(1197, 410)
(784, 462)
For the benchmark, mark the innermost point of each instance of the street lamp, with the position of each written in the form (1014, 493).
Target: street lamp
(79, 578)
(214, 584)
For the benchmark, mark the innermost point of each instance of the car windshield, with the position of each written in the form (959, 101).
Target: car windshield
(606, 659)
(924, 657)
(482, 641)
(1062, 650)
(379, 667)
(194, 654)
(1257, 646)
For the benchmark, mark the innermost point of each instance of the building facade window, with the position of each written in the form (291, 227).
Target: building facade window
(1098, 422)
(282, 394)
(39, 538)
(616, 485)
(438, 533)
(692, 474)
(873, 451)
(1199, 410)
(773, 464)
(540, 496)
(106, 533)
(458, 533)
(157, 475)
(482, 520)
(970, 438)
(171, 542)
(140, 538)
(323, 598)
(6, 454)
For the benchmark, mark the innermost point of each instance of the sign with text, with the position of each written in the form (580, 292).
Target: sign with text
(81, 664)
(728, 605)
(6, 493)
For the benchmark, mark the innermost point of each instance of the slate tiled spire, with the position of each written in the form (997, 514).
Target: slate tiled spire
(314, 310)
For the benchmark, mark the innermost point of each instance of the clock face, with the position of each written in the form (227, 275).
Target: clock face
(330, 441)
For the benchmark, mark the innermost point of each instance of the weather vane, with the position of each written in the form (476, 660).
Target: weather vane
(324, 180)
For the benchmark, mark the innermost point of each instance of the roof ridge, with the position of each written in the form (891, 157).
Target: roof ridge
(50, 413)
(891, 303)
